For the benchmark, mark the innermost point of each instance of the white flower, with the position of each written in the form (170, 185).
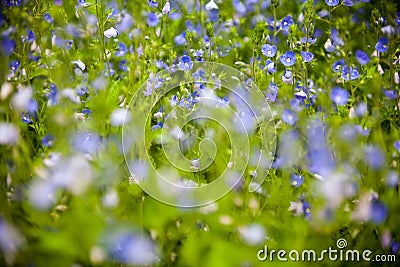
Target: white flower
(211, 5)
(9, 134)
(6, 90)
(21, 99)
(10, 241)
(110, 199)
(119, 116)
(253, 234)
(166, 9)
(112, 32)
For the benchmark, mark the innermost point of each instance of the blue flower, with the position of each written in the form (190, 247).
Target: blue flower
(30, 36)
(239, 7)
(83, 3)
(337, 41)
(391, 94)
(185, 63)
(153, 3)
(382, 45)
(159, 125)
(268, 50)
(152, 19)
(307, 56)
(270, 65)
(337, 66)
(288, 59)
(271, 92)
(348, 73)
(287, 77)
(32, 106)
(339, 96)
(361, 109)
(68, 44)
(122, 50)
(296, 180)
(286, 23)
(14, 2)
(378, 212)
(86, 142)
(180, 39)
(395, 247)
(348, 2)
(289, 117)
(306, 210)
(122, 65)
(332, 2)
(7, 45)
(82, 90)
(26, 117)
(362, 57)
(374, 156)
(48, 140)
(397, 145)
(14, 65)
(48, 18)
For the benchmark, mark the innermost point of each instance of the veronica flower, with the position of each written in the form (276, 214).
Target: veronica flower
(14, 2)
(48, 140)
(68, 44)
(288, 59)
(152, 19)
(9, 134)
(30, 36)
(211, 5)
(391, 94)
(153, 3)
(296, 180)
(7, 45)
(111, 33)
(271, 92)
(122, 50)
(48, 18)
(378, 212)
(289, 117)
(270, 65)
(268, 50)
(307, 56)
(287, 77)
(159, 125)
(14, 65)
(239, 7)
(348, 73)
(166, 9)
(185, 63)
(397, 145)
(374, 156)
(180, 39)
(286, 23)
(361, 109)
(382, 45)
(332, 2)
(337, 65)
(339, 96)
(362, 57)
(306, 210)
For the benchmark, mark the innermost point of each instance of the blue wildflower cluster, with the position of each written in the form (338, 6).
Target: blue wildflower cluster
(329, 69)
